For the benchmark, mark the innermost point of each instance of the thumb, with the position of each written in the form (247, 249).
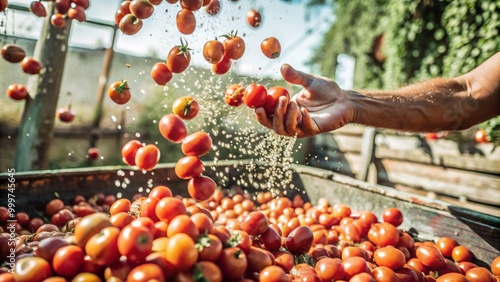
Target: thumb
(296, 77)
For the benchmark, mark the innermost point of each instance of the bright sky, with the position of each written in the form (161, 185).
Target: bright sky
(285, 21)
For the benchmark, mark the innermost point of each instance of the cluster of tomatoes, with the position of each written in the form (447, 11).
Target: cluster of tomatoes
(64, 9)
(255, 95)
(15, 54)
(161, 237)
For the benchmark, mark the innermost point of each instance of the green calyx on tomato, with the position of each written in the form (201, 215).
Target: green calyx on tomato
(234, 241)
(203, 242)
(230, 35)
(198, 275)
(237, 254)
(122, 87)
(187, 105)
(184, 48)
(304, 258)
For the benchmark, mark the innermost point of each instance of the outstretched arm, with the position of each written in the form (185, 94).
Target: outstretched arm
(434, 105)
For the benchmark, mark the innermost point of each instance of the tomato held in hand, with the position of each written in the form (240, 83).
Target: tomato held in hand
(255, 95)
(129, 151)
(273, 95)
(234, 46)
(179, 57)
(161, 74)
(172, 128)
(31, 66)
(189, 167)
(223, 66)
(201, 188)
(119, 92)
(234, 95)
(147, 157)
(185, 107)
(17, 92)
(13, 53)
(254, 19)
(130, 25)
(213, 51)
(196, 144)
(185, 21)
(271, 47)
(135, 243)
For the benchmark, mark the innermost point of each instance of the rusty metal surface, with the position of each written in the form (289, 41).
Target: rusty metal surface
(425, 218)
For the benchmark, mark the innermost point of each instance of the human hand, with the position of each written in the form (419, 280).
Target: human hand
(321, 106)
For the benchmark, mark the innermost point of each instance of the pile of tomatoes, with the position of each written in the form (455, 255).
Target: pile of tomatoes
(255, 95)
(162, 237)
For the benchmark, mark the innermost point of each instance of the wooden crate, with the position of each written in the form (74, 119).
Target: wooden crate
(425, 218)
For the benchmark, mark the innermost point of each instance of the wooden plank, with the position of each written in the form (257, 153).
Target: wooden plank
(474, 163)
(452, 182)
(367, 152)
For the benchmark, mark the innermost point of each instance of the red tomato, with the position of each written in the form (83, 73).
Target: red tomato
(129, 151)
(431, 136)
(121, 219)
(300, 240)
(77, 13)
(62, 6)
(254, 18)
(445, 245)
(93, 153)
(147, 157)
(17, 92)
(146, 272)
(119, 92)
(196, 144)
(273, 95)
(201, 188)
(181, 251)
(270, 240)
(233, 263)
(213, 7)
(13, 53)
(234, 95)
(58, 20)
(213, 51)
(161, 74)
(68, 260)
(480, 136)
(393, 216)
(495, 266)
(85, 4)
(90, 225)
(223, 66)
(48, 246)
(31, 66)
(147, 208)
(32, 269)
(38, 9)
(103, 246)
(255, 95)
(185, 21)
(390, 257)
(255, 223)
(234, 46)
(189, 167)
(172, 128)
(155, 2)
(271, 47)
(383, 234)
(169, 207)
(185, 107)
(182, 224)
(141, 9)
(130, 25)
(273, 273)
(179, 58)
(135, 243)
(430, 256)
(3, 5)
(193, 5)
(65, 115)
(461, 253)
(329, 269)
(160, 192)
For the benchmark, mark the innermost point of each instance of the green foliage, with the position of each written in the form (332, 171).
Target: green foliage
(422, 39)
